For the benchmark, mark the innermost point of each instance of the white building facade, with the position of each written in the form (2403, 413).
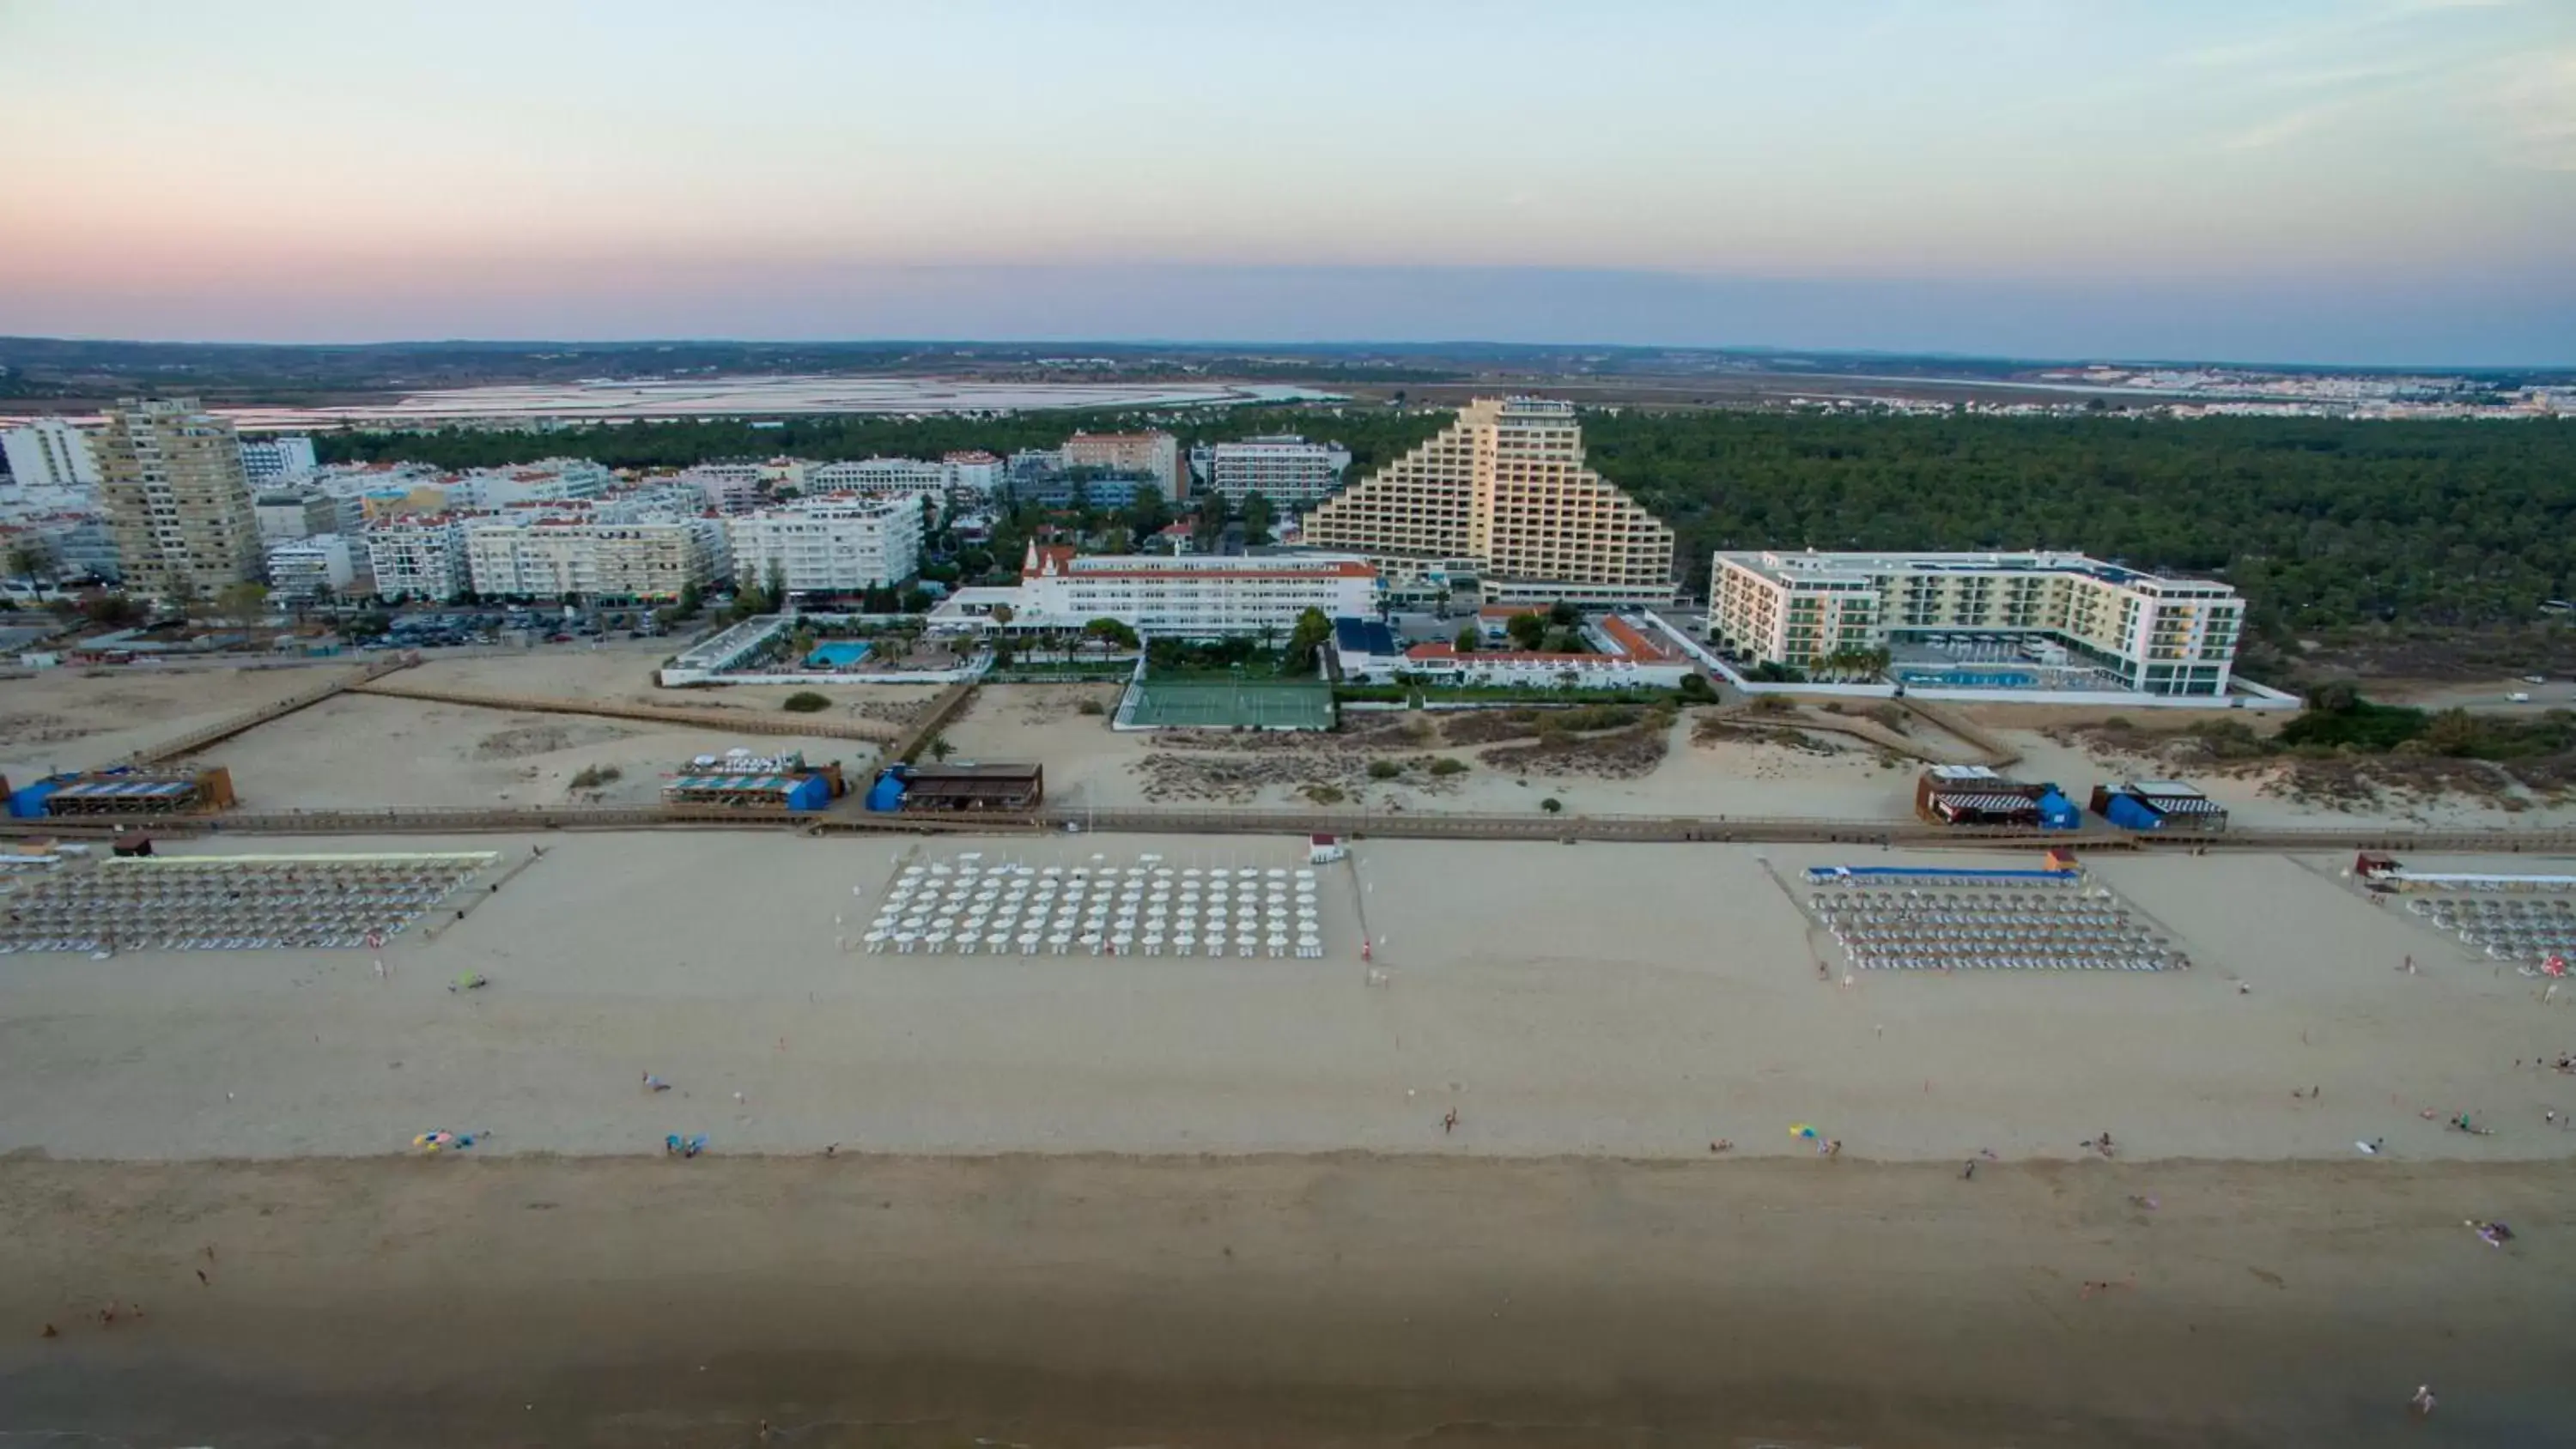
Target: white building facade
(834, 545)
(726, 487)
(978, 472)
(2153, 635)
(271, 458)
(1192, 597)
(50, 453)
(551, 480)
(882, 477)
(300, 570)
(419, 557)
(1287, 470)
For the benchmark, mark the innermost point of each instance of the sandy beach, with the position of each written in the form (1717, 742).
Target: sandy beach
(1126, 1199)
(1633, 1001)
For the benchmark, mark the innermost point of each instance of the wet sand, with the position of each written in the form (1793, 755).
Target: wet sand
(1346, 1299)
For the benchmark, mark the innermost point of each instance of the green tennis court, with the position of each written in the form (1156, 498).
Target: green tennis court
(1203, 703)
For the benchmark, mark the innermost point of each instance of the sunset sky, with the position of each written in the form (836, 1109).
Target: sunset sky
(2386, 181)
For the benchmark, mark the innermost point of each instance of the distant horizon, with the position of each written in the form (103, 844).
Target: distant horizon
(1435, 348)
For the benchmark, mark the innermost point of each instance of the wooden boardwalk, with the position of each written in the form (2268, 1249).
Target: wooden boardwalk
(732, 721)
(195, 740)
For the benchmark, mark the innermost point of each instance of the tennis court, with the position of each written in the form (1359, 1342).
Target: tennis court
(1204, 703)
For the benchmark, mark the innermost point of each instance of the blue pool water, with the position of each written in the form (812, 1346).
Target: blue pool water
(836, 656)
(1960, 677)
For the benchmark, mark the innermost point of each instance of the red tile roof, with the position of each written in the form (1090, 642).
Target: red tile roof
(1633, 641)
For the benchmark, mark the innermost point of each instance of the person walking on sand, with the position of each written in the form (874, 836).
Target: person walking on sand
(2422, 1403)
(1449, 1122)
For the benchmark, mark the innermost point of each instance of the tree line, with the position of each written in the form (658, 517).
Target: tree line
(2318, 522)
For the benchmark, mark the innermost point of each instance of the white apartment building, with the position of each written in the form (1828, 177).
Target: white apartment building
(550, 480)
(272, 458)
(2154, 635)
(300, 569)
(915, 476)
(1191, 597)
(835, 545)
(1145, 455)
(50, 453)
(975, 472)
(421, 556)
(593, 555)
(1287, 470)
(1503, 493)
(726, 487)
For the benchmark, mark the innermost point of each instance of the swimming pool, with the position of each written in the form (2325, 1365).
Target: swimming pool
(839, 655)
(1957, 677)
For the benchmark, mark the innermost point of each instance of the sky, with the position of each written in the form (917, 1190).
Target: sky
(2334, 181)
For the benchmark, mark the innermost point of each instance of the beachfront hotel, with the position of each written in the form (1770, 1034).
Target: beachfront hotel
(1189, 597)
(1503, 495)
(2010, 620)
(1283, 468)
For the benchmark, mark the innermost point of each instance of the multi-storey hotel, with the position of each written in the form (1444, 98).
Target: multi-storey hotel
(1502, 494)
(1979, 618)
(1285, 469)
(1192, 597)
(839, 545)
(172, 478)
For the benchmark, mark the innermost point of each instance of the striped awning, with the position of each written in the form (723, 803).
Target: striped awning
(1986, 804)
(2186, 804)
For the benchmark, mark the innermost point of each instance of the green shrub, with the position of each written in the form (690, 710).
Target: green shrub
(806, 701)
(1552, 805)
(1448, 765)
(1384, 769)
(1091, 706)
(1325, 794)
(596, 776)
